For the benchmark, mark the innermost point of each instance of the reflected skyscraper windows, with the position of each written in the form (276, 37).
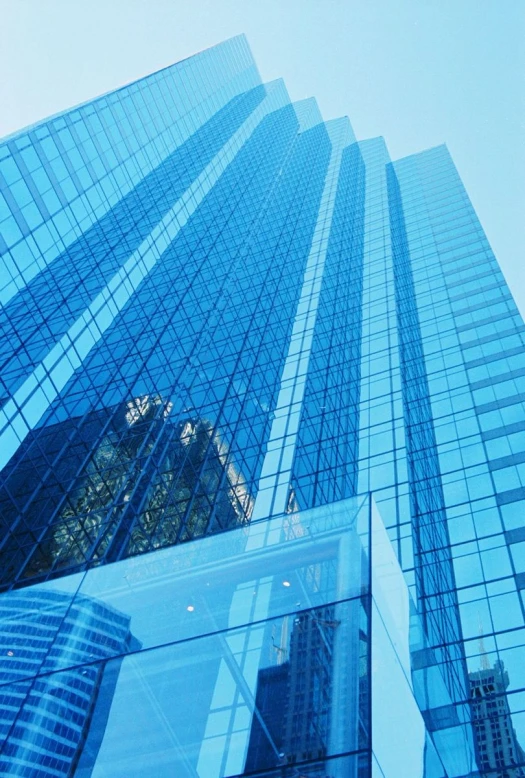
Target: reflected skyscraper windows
(233, 338)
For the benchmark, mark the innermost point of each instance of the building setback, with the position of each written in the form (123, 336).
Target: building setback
(221, 312)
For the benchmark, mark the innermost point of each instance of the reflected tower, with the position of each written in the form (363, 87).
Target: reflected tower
(51, 711)
(499, 749)
(125, 481)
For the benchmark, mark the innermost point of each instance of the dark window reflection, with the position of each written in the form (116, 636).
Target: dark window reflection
(498, 745)
(294, 695)
(122, 482)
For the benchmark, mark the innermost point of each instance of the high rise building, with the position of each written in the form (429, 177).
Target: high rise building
(48, 721)
(220, 312)
(499, 749)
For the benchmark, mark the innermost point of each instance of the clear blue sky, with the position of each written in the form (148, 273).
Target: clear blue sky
(418, 72)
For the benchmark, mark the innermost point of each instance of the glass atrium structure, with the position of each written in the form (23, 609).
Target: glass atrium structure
(262, 442)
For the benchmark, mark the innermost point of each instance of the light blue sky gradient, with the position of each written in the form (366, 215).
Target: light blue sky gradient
(418, 72)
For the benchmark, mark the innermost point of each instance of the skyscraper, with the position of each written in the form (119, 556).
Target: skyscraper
(221, 312)
(498, 744)
(59, 707)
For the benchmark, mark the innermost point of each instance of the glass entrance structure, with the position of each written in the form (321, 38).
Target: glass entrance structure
(262, 435)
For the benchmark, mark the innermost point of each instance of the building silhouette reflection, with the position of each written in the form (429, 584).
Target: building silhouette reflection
(58, 684)
(496, 737)
(125, 481)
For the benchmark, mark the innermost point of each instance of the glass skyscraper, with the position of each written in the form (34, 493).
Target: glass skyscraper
(262, 442)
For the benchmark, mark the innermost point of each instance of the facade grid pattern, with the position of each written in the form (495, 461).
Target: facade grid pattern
(220, 312)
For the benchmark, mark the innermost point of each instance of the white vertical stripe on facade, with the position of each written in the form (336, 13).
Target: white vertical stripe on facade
(273, 490)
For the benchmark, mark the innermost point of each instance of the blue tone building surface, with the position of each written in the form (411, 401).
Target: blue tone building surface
(220, 312)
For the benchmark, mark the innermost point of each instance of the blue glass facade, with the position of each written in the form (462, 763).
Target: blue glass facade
(220, 312)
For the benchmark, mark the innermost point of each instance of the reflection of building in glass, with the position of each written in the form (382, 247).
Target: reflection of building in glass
(497, 742)
(294, 695)
(270, 701)
(121, 488)
(48, 718)
(217, 308)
